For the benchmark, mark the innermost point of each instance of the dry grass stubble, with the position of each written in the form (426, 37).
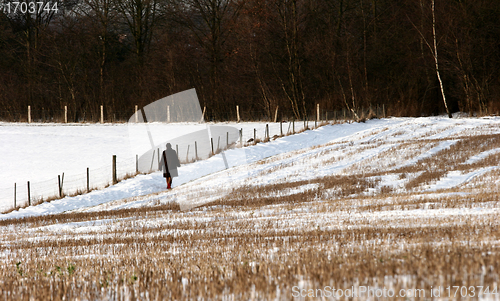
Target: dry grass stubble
(253, 245)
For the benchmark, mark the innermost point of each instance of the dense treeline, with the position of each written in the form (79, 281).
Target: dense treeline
(258, 54)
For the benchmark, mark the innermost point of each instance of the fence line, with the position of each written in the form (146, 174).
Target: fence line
(104, 114)
(69, 184)
(23, 194)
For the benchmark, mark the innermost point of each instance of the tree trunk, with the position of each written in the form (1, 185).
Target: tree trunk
(436, 60)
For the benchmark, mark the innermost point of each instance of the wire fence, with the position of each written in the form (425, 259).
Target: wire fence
(30, 193)
(110, 115)
(65, 115)
(188, 150)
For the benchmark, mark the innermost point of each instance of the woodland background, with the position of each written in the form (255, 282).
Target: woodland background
(257, 54)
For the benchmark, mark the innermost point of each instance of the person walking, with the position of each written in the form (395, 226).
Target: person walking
(169, 163)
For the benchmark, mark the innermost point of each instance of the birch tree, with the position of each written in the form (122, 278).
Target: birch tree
(434, 51)
(435, 54)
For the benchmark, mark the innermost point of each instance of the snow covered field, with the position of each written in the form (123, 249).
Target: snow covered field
(357, 148)
(40, 152)
(399, 203)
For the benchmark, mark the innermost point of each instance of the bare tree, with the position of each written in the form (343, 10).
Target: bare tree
(102, 14)
(211, 21)
(434, 52)
(141, 17)
(289, 20)
(32, 24)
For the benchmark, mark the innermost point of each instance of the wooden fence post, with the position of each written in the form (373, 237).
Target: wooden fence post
(267, 132)
(102, 114)
(60, 182)
(196, 150)
(237, 113)
(65, 114)
(115, 180)
(88, 180)
(281, 128)
(254, 136)
(136, 115)
(203, 114)
(212, 144)
(241, 137)
(29, 194)
(29, 114)
(276, 114)
(227, 140)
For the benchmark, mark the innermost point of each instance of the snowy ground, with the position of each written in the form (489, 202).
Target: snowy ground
(399, 202)
(342, 149)
(40, 152)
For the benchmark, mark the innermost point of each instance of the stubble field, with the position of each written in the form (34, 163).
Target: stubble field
(412, 206)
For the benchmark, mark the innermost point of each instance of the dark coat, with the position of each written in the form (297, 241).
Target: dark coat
(169, 168)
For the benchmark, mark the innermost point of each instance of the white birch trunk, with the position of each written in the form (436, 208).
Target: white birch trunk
(436, 59)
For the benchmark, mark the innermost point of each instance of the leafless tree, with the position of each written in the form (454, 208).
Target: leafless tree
(211, 23)
(434, 50)
(141, 17)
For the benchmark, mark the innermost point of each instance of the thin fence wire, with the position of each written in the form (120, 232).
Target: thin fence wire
(97, 178)
(18, 196)
(113, 116)
(101, 177)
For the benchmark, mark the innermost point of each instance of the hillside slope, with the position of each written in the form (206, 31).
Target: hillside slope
(399, 155)
(397, 204)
